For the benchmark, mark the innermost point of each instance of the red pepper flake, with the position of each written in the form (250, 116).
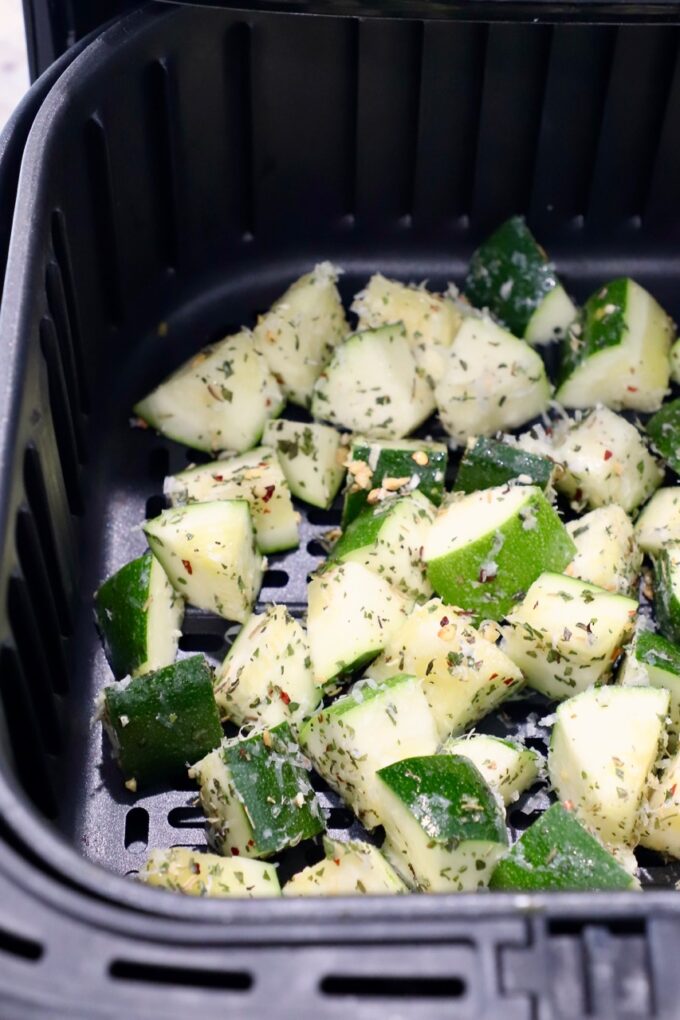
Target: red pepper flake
(485, 576)
(235, 852)
(196, 868)
(509, 681)
(251, 842)
(268, 493)
(632, 389)
(493, 676)
(218, 478)
(444, 621)
(187, 566)
(285, 698)
(578, 495)
(336, 860)
(608, 454)
(672, 789)
(568, 805)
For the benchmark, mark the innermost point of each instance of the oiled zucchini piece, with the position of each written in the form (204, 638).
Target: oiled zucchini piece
(159, 722)
(511, 276)
(667, 591)
(200, 874)
(487, 463)
(557, 852)
(380, 469)
(606, 551)
(664, 432)
(617, 353)
(444, 827)
(139, 616)
(508, 767)
(349, 869)
(659, 521)
(312, 457)
(256, 794)
(653, 661)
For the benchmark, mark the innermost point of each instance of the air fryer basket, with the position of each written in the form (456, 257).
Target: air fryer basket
(186, 167)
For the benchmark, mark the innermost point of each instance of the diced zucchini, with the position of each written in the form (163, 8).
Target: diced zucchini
(256, 794)
(488, 463)
(139, 616)
(208, 552)
(605, 460)
(312, 458)
(485, 548)
(464, 675)
(372, 385)
(606, 551)
(510, 275)
(298, 334)
(267, 677)
(219, 400)
(661, 813)
(199, 874)
(604, 744)
(350, 869)
(388, 538)
(653, 661)
(371, 726)
(444, 827)
(351, 614)
(566, 635)
(617, 352)
(382, 468)
(509, 768)
(160, 721)
(659, 521)
(667, 591)
(558, 853)
(256, 477)
(664, 432)
(492, 381)
(430, 320)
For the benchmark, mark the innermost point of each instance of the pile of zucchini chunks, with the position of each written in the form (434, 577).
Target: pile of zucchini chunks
(433, 606)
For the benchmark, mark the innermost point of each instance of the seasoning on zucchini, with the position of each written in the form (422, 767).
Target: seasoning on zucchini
(186, 871)
(312, 458)
(159, 722)
(431, 321)
(664, 431)
(208, 552)
(508, 767)
(675, 361)
(488, 463)
(510, 275)
(604, 745)
(606, 551)
(485, 548)
(667, 591)
(659, 521)
(298, 334)
(605, 460)
(492, 381)
(351, 613)
(617, 352)
(464, 675)
(349, 869)
(256, 794)
(661, 813)
(255, 477)
(373, 725)
(139, 616)
(567, 635)
(557, 852)
(218, 400)
(373, 385)
(444, 827)
(267, 677)
(388, 538)
(653, 661)
(379, 469)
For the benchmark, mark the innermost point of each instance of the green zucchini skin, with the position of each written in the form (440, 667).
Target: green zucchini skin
(510, 255)
(161, 721)
(121, 613)
(438, 790)
(602, 324)
(396, 463)
(558, 853)
(489, 463)
(664, 431)
(656, 651)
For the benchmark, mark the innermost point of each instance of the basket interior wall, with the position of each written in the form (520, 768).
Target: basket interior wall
(195, 163)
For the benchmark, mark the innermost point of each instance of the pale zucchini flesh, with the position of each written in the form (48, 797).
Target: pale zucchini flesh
(312, 457)
(508, 767)
(349, 869)
(659, 521)
(191, 873)
(607, 553)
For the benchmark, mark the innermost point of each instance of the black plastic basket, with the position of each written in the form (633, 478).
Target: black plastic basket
(184, 168)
